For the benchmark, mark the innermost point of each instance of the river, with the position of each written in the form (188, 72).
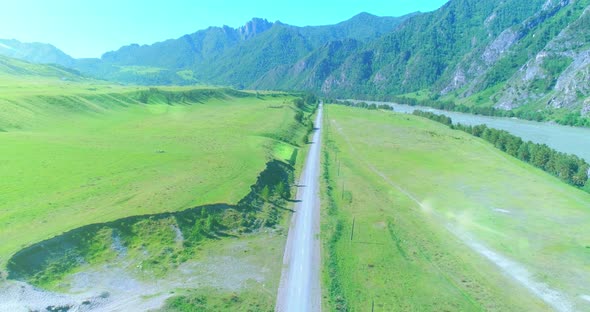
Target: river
(570, 140)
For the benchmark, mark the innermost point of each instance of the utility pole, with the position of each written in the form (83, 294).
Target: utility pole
(352, 230)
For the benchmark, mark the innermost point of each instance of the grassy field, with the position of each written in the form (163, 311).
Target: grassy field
(178, 191)
(77, 158)
(445, 222)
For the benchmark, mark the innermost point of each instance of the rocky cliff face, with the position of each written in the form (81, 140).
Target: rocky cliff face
(559, 75)
(476, 71)
(471, 71)
(253, 28)
(543, 61)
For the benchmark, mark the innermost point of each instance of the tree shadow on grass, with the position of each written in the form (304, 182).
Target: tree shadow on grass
(278, 206)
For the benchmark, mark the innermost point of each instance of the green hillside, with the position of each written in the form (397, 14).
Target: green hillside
(11, 68)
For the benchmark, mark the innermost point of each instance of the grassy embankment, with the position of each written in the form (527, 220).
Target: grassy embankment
(422, 197)
(75, 153)
(97, 166)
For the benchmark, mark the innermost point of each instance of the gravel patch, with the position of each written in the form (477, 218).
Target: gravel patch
(118, 287)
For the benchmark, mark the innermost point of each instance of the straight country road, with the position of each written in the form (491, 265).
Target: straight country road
(299, 289)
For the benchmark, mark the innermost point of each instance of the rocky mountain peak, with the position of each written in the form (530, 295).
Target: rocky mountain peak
(254, 27)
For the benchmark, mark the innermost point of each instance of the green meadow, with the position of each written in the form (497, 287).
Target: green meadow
(97, 153)
(443, 221)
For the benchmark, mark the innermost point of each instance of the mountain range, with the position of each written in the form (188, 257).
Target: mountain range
(509, 54)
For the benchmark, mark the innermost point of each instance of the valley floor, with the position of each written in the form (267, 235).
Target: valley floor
(419, 217)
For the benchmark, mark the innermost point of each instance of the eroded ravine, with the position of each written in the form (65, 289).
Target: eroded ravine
(138, 262)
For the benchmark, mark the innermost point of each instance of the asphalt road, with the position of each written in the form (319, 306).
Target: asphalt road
(299, 289)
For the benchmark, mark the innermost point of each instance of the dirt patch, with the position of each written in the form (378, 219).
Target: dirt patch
(121, 287)
(504, 211)
(516, 271)
(380, 225)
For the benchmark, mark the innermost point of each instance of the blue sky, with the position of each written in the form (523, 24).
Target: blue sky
(88, 28)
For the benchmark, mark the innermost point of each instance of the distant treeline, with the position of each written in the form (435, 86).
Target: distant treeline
(570, 119)
(361, 104)
(307, 102)
(569, 168)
